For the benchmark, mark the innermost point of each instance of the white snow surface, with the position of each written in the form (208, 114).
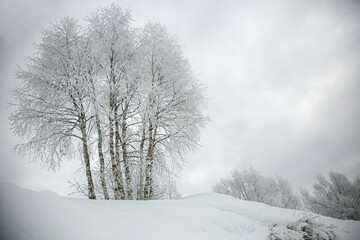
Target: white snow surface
(45, 215)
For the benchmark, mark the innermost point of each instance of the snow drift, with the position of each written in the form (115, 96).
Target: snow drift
(45, 215)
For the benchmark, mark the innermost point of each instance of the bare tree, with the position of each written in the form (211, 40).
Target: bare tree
(336, 197)
(92, 75)
(110, 30)
(52, 102)
(173, 102)
(287, 197)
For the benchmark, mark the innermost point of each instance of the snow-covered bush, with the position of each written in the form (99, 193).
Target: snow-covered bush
(308, 227)
(337, 197)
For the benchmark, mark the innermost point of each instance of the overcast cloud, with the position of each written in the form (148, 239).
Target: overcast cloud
(282, 78)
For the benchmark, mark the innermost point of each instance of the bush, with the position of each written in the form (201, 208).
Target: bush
(309, 227)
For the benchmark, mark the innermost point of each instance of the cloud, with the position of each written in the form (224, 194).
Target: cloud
(283, 83)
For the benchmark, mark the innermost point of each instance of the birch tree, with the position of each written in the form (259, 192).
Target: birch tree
(92, 75)
(174, 101)
(110, 30)
(52, 102)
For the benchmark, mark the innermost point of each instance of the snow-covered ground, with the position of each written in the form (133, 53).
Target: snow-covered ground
(45, 215)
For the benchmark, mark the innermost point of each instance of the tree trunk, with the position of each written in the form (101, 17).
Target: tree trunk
(148, 190)
(111, 146)
(125, 156)
(101, 158)
(117, 157)
(100, 140)
(151, 188)
(140, 192)
(91, 189)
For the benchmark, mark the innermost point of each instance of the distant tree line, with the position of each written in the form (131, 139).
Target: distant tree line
(337, 197)
(248, 184)
(125, 97)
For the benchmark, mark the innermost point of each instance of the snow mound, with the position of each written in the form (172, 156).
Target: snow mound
(45, 215)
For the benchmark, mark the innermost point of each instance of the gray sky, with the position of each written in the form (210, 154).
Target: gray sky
(282, 78)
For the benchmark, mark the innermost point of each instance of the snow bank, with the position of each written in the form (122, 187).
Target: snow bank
(45, 215)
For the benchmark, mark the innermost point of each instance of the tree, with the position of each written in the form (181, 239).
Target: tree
(91, 75)
(173, 105)
(336, 197)
(249, 185)
(52, 102)
(287, 198)
(110, 31)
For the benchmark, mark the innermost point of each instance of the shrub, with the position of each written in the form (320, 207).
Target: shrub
(308, 227)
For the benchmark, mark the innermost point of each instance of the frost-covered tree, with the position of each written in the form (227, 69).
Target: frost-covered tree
(52, 103)
(109, 29)
(287, 197)
(172, 106)
(249, 185)
(337, 197)
(94, 89)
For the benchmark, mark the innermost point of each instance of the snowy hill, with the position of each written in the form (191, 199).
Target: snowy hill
(45, 215)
